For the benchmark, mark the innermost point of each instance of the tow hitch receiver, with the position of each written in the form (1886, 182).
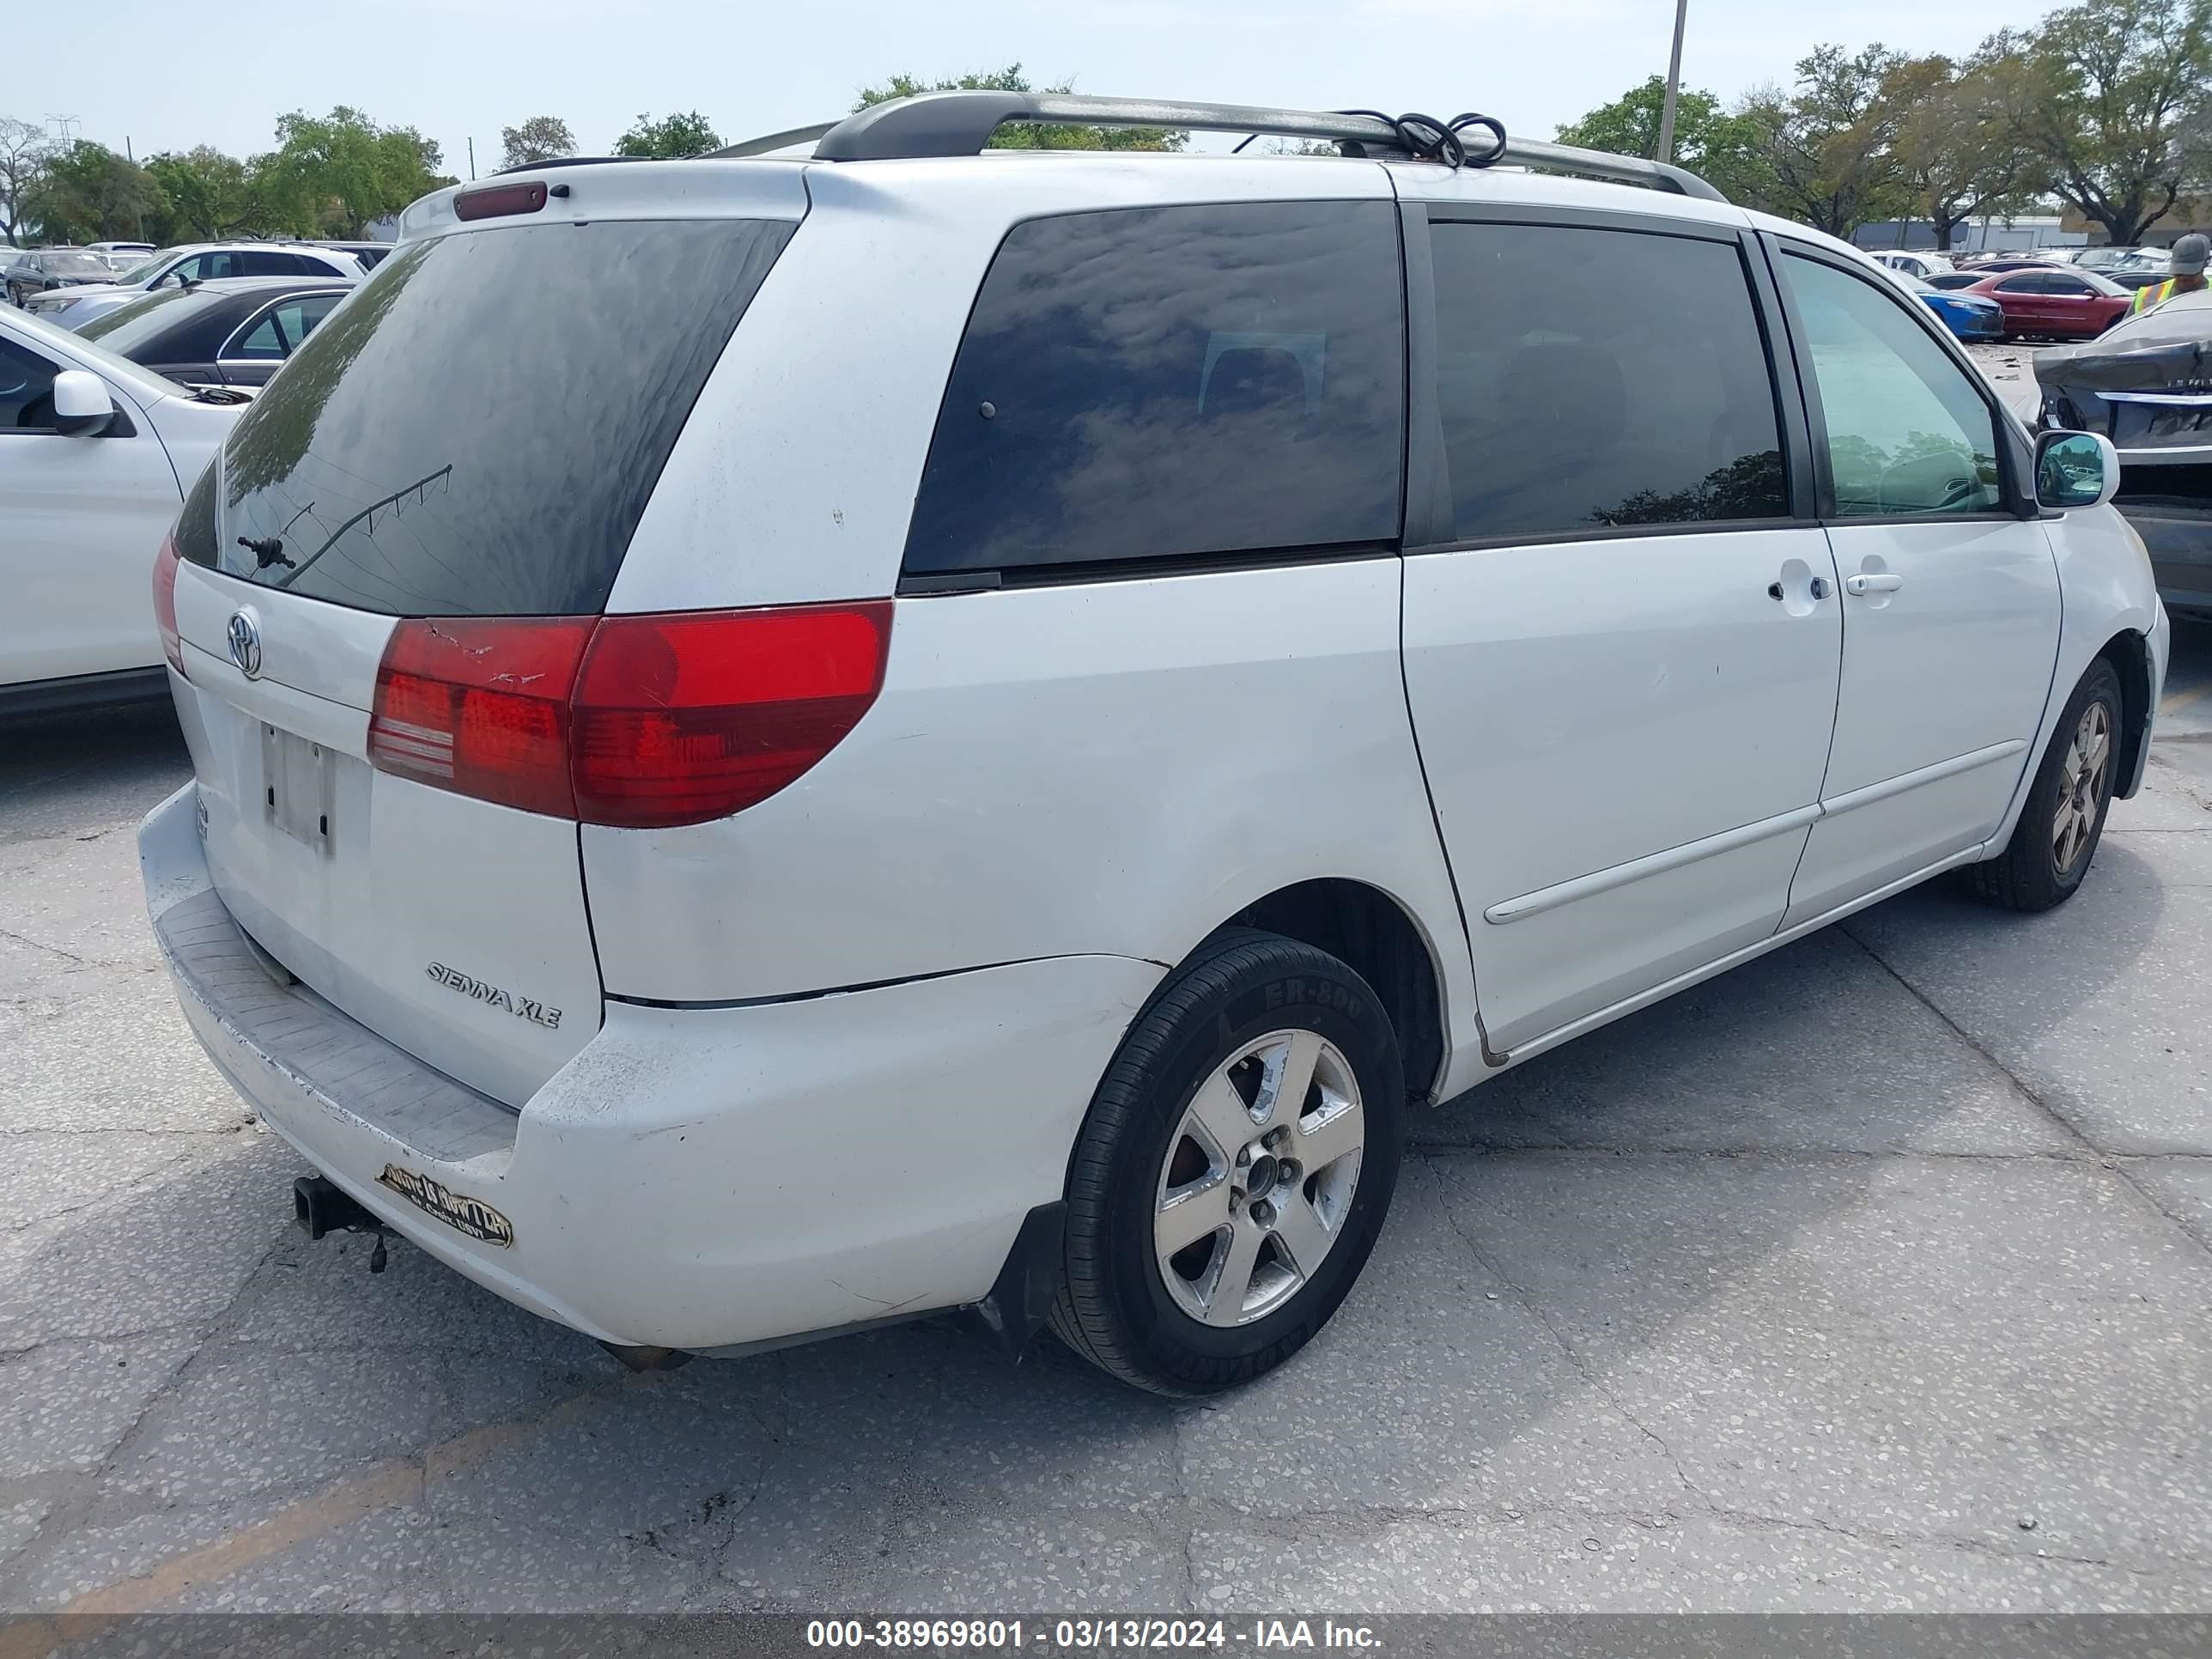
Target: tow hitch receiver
(320, 1207)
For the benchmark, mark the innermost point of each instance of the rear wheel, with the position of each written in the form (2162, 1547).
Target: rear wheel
(2056, 836)
(1235, 1169)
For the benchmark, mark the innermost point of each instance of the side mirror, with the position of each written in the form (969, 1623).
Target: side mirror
(2076, 469)
(82, 407)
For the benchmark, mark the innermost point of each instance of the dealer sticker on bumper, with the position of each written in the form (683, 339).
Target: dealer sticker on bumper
(464, 1214)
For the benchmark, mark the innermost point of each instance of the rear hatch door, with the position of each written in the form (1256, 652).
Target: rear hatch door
(473, 435)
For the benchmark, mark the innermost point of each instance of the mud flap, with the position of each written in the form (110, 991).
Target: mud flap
(1010, 1317)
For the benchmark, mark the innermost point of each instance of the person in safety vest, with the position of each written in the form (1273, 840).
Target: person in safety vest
(2187, 268)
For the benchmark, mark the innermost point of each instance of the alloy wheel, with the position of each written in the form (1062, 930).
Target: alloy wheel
(2083, 779)
(1258, 1178)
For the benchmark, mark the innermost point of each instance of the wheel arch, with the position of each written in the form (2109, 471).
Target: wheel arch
(1375, 934)
(2129, 652)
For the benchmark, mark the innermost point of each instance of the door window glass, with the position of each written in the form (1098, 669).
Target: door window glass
(277, 333)
(1148, 382)
(1907, 432)
(264, 342)
(27, 384)
(1567, 405)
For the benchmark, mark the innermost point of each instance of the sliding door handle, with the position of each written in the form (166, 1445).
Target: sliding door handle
(1880, 581)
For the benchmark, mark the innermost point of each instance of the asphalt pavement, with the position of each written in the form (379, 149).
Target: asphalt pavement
(1874, 1275)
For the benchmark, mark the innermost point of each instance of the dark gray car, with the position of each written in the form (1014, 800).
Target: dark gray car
(235, 330)
(44, 268)
(2147, 385)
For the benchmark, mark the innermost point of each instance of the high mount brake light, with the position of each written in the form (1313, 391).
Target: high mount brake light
(638, 722)
(494, 200)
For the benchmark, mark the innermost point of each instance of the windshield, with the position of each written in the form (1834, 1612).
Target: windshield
(73, 262)
(478, 430)
(128, 327)
(144, 270)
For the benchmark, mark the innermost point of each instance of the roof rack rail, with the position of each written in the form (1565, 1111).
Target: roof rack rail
(560, 162)
(936, 123)
(772, 141)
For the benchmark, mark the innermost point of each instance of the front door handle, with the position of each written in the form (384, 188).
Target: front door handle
(1880, 581)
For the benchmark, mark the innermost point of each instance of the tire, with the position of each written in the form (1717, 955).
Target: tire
(2035, 871)
(1246, 1008)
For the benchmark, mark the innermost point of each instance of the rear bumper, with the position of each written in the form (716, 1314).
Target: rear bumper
(696, 1178)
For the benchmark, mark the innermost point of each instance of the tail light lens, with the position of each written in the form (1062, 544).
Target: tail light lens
(480, 707)
(165, 603)
(639, 722)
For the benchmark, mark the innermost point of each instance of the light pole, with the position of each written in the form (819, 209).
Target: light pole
(1665, 151)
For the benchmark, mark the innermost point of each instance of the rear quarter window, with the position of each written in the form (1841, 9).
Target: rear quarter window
(1149, 383)
(478, 430)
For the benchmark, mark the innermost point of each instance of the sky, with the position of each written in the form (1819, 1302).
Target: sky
(164, 76)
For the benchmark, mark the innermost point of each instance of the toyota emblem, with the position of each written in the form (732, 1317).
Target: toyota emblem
(246, 643)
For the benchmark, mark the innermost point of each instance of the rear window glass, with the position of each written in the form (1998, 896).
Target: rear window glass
(127, 327)
(478, 433)
(1148, 382)
(195, 531)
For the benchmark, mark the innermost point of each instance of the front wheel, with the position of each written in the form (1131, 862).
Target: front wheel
(1235, 1168)
(2064, 820)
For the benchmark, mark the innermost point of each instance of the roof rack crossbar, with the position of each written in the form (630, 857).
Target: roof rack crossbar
(937, 124)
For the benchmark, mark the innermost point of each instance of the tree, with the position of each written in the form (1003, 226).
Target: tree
(334, 175)
(1025, 134)
(23, 153)
(1831, 142)
(1960, 157)
(2111, 97)
(210, 196)
(540, 138)
(88, 193)
(672, 137)
(1720, 146)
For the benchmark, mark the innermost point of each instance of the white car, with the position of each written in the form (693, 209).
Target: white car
(758, 810)
(1923, 266)
(73, 307)
(95, 454)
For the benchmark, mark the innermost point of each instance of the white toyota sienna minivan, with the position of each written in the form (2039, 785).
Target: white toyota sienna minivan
(786, 742)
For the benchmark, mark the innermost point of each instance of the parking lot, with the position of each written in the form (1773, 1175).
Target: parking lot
(1874, 1275)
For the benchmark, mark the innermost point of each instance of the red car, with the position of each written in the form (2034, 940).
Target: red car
(2058, 300)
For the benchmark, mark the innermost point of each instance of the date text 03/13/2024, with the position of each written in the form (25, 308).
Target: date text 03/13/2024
(1087, 1635)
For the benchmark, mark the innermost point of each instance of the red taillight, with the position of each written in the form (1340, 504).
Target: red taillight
(639, 722)
(685, 718)
(165, 603)
(480, 707)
